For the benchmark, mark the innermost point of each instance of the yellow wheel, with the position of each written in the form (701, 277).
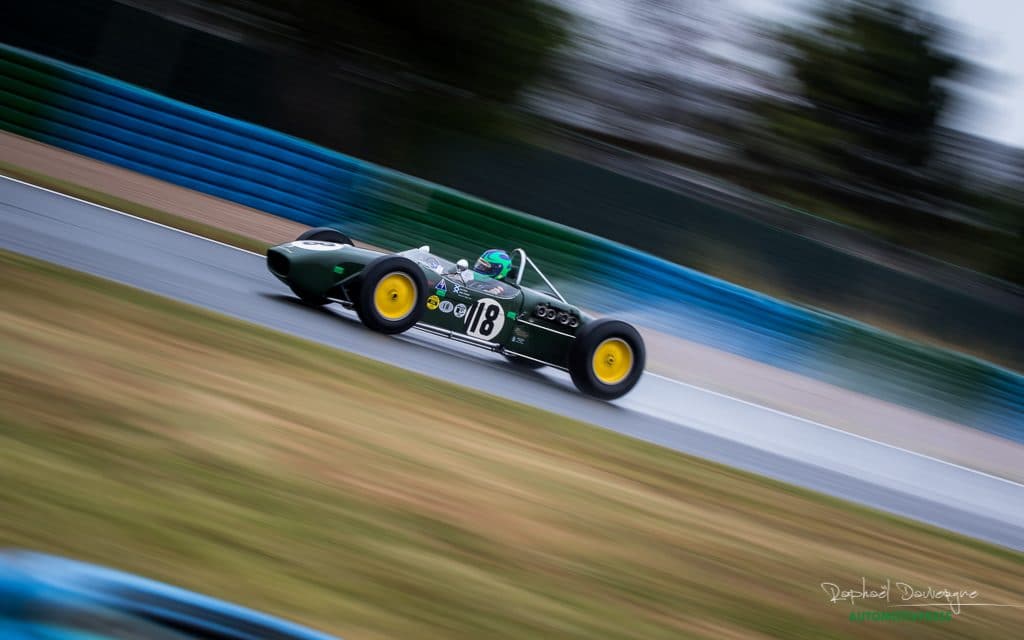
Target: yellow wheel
(612, 361)
(606, 359)
(389, 294)
(394, 297)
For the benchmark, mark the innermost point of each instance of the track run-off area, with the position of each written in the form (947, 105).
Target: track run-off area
(89, 238)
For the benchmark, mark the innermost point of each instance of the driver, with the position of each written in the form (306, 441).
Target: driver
(493, 263)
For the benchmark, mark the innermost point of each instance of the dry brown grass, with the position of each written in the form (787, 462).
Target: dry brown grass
(376, 503)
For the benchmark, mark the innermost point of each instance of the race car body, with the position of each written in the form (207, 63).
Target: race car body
(392, 293)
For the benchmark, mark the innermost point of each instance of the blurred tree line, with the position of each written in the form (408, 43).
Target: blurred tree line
(855, 129)
(458, 61)
(858, 118)
(840, 113)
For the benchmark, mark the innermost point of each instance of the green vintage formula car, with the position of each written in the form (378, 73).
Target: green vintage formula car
(392, 293)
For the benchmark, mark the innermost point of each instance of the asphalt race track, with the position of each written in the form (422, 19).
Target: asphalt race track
(178, 265)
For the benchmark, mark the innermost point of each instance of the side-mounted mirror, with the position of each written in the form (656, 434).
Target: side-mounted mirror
(463, 268)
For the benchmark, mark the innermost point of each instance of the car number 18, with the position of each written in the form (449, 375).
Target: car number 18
(485, 320)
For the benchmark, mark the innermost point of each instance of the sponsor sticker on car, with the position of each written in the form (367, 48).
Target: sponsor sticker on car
(520, 335)
(460, 310)
(433, 302)
(460, 290)
(446, 306)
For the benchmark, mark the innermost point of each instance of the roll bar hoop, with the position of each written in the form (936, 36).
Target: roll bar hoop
(525, 260)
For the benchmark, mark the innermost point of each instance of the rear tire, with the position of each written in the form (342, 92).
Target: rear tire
(325, 234)
(392, 294)
(607, 359)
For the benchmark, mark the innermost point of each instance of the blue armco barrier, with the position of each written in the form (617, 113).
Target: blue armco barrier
(122, 124)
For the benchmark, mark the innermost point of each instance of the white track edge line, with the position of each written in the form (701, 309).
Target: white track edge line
(129, 215)
(842, 431)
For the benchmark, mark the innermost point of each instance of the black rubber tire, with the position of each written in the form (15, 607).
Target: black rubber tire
(582, 352)
(523, 362)
(368, 279)
(325, 234)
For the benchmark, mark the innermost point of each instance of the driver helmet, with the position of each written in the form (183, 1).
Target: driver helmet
(494, 263)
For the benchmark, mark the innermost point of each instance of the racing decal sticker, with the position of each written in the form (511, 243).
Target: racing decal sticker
(441, 286)
(440, 293)
(446, 306)
(485, 319)
(460, 310)
(433, 302)
(316, 245)
(460, 290)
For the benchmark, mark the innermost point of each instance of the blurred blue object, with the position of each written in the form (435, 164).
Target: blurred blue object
(44, 597)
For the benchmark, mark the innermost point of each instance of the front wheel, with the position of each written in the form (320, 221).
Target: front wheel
(392, 292)
(607, 359)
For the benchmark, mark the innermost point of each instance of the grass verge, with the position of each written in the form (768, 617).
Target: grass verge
(376, 503)
(149, 213)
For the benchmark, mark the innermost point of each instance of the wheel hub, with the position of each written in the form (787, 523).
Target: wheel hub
(395, 296)
(612, 361)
